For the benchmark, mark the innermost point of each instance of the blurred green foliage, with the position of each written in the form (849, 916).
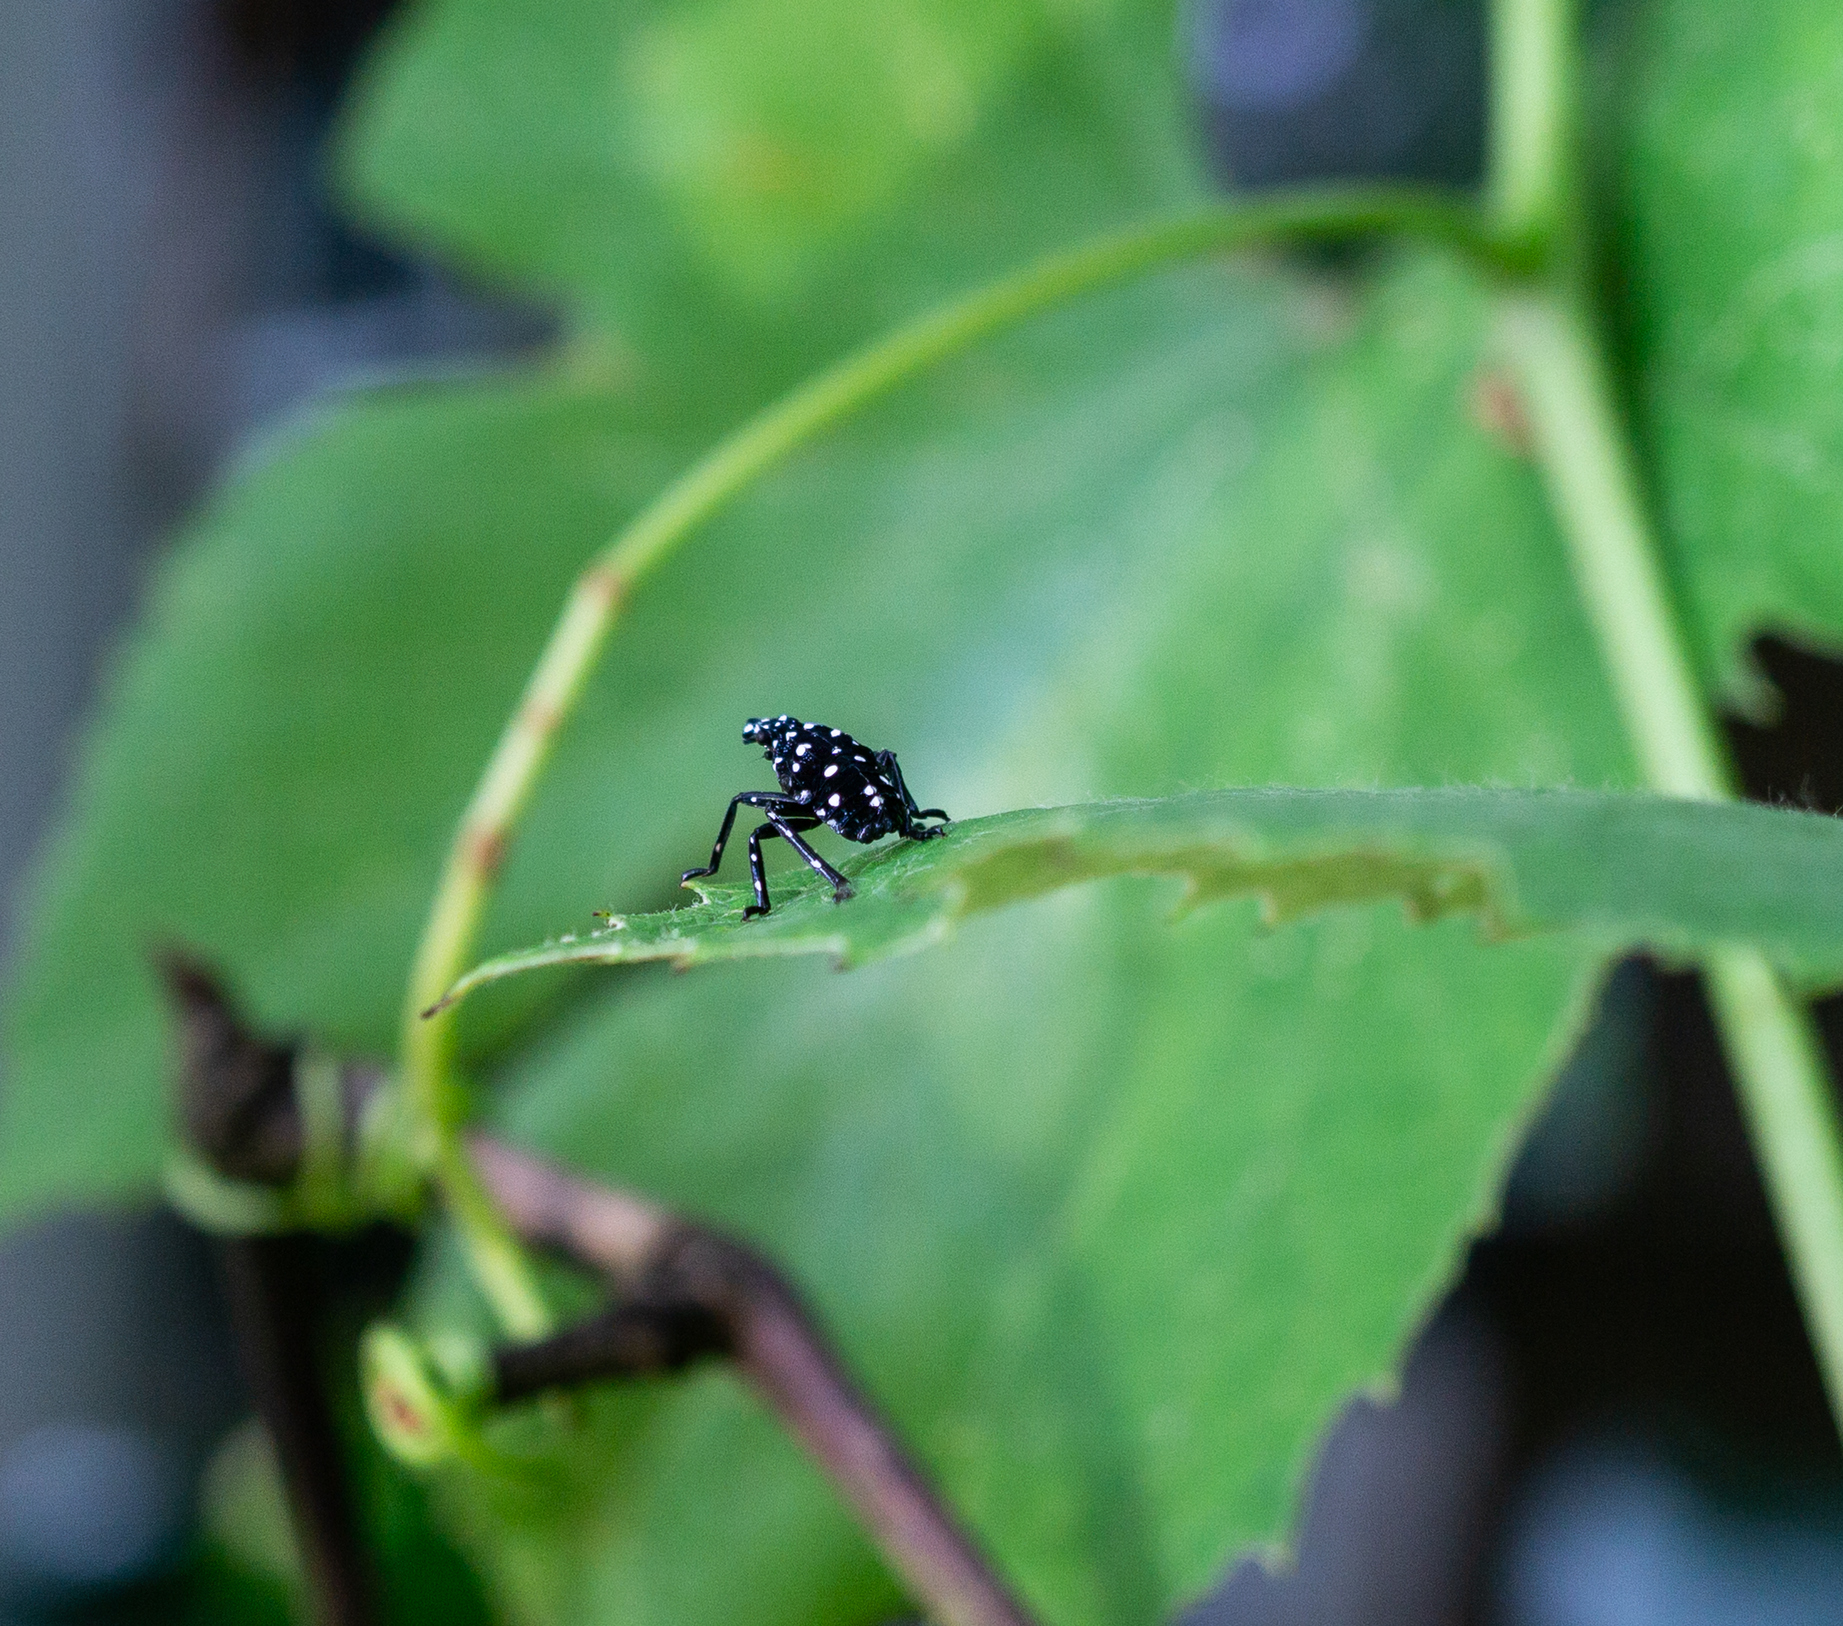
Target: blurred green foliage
(1727, 218)
(1109, 1212)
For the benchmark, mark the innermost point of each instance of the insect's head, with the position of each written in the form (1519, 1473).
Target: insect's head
(765, 731)
(762, 731)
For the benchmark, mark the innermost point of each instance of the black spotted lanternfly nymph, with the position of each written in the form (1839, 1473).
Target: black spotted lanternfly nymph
(826, 777)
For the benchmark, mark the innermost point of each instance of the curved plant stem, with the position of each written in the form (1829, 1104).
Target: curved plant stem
(1777, 1062)
(830, 398)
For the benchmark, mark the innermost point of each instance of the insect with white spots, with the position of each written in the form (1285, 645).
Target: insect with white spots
(828, 778)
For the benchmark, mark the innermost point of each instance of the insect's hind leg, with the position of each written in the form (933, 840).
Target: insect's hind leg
(789, 831)
(923, 832)
(886, 760)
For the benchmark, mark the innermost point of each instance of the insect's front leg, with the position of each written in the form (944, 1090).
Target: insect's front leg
(747, 798)
(758, 875)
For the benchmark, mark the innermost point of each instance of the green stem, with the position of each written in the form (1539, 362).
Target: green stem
(1596, 494)
(1772, 1048)
(1532, 120)
(449, 938)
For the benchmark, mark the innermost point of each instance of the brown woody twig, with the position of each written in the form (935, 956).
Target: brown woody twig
(274, 1297)
(688, 1291)
(684, 1292)
(236, 1101)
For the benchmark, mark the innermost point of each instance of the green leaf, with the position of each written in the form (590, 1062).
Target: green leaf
(1111, 1212)
(1624, 872)
(699, 179)
(1730, 213)
(1216, 529)
(1004, 1167)
(288, 737)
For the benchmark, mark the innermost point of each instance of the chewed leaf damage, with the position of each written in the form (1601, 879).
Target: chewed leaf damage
(1628, 871)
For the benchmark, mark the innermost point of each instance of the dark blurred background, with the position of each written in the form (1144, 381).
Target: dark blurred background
(1612, 1420)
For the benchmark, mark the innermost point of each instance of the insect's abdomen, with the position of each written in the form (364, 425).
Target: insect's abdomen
(835, 777)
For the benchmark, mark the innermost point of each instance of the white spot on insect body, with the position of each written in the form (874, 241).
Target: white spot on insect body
(801, 750)
(836, 732)
(832, 800)
(831, 768)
